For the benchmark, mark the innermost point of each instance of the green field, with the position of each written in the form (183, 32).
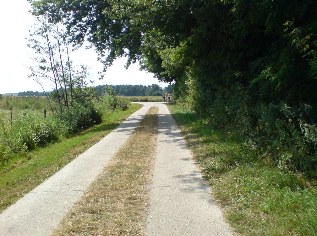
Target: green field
(26, 103)
(145, 98)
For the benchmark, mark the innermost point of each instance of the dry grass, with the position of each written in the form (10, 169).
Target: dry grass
(116, 203)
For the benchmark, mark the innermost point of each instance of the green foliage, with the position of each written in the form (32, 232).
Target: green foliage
(32, 130)
(230, 110)
(29, 130)
(116, 102)
(238, 63)
(4, 141)
(78, 118)
(24, 103)
(130, 90)
(279, 134)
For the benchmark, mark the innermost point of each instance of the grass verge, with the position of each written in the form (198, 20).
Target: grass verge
(115, 203)
(21, 175)
(257, 198)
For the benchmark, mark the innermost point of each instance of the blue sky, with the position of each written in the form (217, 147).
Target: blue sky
(15, 56)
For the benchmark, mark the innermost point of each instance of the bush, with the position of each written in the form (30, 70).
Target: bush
(27, 132)
(280, 135)
(79, 117)
(31, 130)
(4, 147)
(230, 110)
(123, 103)
(114, 102)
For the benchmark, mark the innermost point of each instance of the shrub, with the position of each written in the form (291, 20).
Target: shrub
(123, 103)
(282, 134)
(279, 133)
(79, 117)
(4, 147)
(4, 157)
(114, 102)
(31, 130)
(230, 110)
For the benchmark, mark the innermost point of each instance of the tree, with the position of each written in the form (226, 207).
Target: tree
(265, 46)
(52, 51)
(239, 63)
(52, 55)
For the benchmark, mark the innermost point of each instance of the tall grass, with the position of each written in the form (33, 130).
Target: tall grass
(26, 103)
(29, 129)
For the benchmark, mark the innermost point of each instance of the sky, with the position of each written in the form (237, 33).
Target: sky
(16, 57)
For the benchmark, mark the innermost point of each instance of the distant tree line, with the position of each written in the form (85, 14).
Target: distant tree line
(33, 94)
(124, 90)
(136, 90)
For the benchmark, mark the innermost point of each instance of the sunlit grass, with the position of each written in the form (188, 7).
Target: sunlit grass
(26, 103)
(145, 98)
(257, 198)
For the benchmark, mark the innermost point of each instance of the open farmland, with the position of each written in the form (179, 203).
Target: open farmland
(145, 98)
(26, 103)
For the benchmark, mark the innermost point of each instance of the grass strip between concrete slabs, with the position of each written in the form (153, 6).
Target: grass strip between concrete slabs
(116, 203)
(21, 175)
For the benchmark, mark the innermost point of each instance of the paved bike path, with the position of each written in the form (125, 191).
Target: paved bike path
(41, 210)
(180, 200)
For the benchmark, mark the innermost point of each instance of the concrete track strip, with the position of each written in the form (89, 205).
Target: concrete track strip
(180, 200)
(41, 210)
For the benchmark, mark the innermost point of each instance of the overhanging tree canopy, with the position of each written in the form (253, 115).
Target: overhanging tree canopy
(268, 47)
(247, 64)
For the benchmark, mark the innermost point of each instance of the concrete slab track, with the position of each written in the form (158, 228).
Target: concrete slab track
(180, 200)
(41, 210)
